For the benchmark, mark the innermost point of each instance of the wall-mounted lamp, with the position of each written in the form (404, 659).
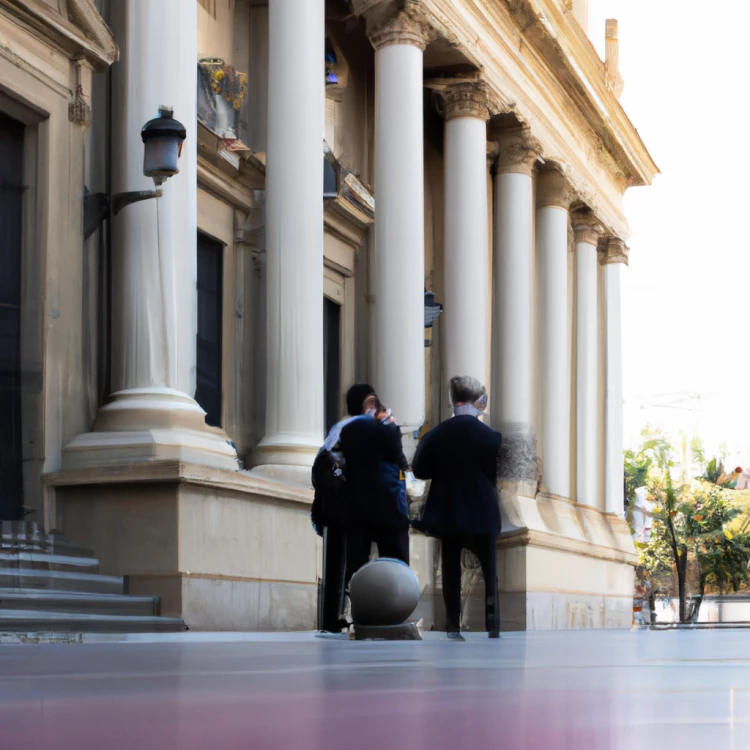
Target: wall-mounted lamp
(162, 145)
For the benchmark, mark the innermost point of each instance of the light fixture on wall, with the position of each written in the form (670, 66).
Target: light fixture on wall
(432, 309)
(162, 145)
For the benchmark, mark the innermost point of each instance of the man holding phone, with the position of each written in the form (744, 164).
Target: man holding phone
(374, 493)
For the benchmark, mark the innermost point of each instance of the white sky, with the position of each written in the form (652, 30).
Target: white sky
(685, 306)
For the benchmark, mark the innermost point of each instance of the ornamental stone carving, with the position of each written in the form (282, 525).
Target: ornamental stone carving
(552, 189)
(586, 227)
(466, 99)
(518, 152)
(615, 251)
(408, 27)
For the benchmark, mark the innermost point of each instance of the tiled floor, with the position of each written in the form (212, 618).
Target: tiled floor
(558, 691)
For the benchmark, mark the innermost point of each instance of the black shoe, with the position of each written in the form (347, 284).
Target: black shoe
(494, 634)
(455, 635)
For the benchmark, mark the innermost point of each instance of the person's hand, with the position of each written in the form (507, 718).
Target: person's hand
(385, 416)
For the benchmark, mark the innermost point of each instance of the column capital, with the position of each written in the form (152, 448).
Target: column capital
(408, 27)
(518, 151)
(586, 227)
(616, 251)
(466, 99)
(552, 189)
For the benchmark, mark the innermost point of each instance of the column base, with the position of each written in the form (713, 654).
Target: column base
(287, 450)
(150, 424)
(561, 565)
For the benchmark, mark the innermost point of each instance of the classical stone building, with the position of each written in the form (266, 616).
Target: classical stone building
(169, 367)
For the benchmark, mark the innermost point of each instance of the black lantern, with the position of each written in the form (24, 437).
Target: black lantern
(162, 140)
(432, 309)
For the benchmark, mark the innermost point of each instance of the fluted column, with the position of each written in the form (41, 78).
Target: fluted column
(466, 229)
(613, 259)
(553, 201)
(294, 233)
(399, 44)
(511, 412)
(152, 413)
(587, 231)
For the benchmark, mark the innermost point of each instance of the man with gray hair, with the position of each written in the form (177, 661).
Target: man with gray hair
(459, 456)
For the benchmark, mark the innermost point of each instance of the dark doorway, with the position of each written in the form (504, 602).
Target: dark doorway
(209, 344)
(11, 214)
(332, 361)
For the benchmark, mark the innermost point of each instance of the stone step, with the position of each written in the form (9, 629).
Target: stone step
(30, 621)
(79, 603)
(20, 536)
(48, 561)
(59, 580)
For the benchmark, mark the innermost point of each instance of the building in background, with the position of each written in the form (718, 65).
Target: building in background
(169, 369)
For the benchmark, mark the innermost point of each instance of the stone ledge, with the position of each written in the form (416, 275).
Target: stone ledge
(529, 537)
(181, 472)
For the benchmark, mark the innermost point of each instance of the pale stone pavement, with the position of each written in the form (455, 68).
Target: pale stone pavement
(587, 690)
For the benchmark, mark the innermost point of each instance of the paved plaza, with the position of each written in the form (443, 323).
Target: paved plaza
(558, 690)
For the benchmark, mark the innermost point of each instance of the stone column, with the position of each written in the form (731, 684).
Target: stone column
(613, 259)
(399, 227)
(152, 413)
(511, 411)
(553, 201)
(294, 234)
(587, 231)
(466, 230)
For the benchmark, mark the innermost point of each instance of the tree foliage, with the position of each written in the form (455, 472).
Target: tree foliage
(695, 546)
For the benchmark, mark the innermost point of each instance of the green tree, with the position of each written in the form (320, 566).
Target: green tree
(691, 537)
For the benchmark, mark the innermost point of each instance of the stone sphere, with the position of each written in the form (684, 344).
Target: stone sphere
(383, 592)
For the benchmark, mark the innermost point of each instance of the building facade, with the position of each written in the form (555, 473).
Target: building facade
(171, 366)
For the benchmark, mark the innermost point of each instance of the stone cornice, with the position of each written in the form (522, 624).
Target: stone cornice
(578, 66)
(409, 26)
(586, 227)
(615, 251)
(567, 102)
(518, 151)
(466, 99)
(83, 34)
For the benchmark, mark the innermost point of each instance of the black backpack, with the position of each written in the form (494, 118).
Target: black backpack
(328, 483)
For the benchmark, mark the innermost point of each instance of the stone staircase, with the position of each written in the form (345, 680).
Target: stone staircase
(48, 584)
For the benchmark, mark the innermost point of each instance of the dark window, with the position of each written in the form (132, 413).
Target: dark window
(330, 188)
(209, 345)
(332, 361)
(11, 208)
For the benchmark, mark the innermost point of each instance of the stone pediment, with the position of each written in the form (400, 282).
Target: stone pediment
(73, 25)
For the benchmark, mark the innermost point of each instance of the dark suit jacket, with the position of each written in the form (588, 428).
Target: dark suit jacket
(374, 494)
(460, 457)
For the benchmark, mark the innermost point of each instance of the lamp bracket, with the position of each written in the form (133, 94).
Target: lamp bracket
(121, 200)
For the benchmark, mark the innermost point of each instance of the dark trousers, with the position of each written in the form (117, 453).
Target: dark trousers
(391, 543)
(483, 546)
(331, 595)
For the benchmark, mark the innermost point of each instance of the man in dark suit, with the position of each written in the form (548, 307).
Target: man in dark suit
(460, 457)
(374, 493)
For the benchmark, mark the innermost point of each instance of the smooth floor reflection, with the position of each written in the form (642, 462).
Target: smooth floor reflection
(581, 690)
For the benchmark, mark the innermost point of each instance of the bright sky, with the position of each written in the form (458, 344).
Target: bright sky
(685, 70)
